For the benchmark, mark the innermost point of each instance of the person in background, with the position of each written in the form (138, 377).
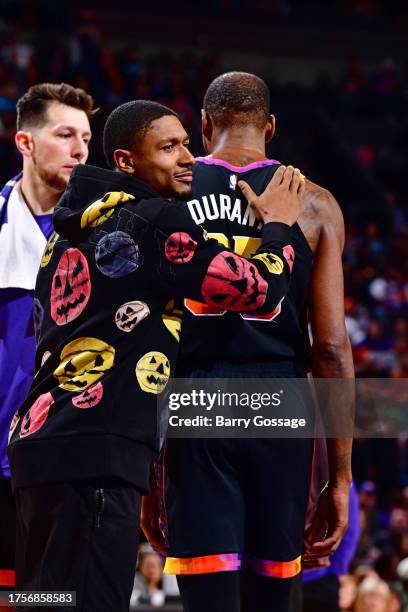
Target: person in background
(147, 586)
(347, 592)
(373, 595)
(53, 134)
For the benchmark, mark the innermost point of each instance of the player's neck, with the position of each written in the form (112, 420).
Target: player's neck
(39, 197)
(239, 147)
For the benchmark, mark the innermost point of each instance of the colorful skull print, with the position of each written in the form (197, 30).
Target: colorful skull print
(90, 397)
(35, 418)
(102, 209)
(38, 315)
(179, 247)
(273, 263)
(152, 372)
(234, 282)
(49, 249)
(71, 287)
(117, 254)
(83, 362)
(172, 318)
(289, 255)
(130, 314)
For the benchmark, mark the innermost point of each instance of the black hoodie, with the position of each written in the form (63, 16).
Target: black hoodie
(107, 328)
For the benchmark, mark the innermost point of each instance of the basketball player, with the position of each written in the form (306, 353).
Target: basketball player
(82, 441)
(53, 135)
(235, 505)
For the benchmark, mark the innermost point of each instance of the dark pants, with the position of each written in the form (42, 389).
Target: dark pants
(79, 536)
(235, 592)
(321, 595)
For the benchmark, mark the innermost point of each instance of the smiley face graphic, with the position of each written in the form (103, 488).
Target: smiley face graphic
(180, 247)
(90, 397)
(117, 254)
(83, 362)
(153, 372)
(35, 418)
(131, 314)
(49, 249)
(71, 287)
(102, 209)
(172, 318)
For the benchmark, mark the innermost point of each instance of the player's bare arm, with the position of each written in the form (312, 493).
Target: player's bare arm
(323, 226)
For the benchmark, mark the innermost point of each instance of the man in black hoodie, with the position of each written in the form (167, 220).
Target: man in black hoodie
(82, 441)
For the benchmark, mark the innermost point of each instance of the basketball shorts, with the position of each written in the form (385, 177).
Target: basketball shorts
(232, 504)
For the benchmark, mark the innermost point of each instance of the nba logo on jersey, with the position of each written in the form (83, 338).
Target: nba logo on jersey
(233, 181)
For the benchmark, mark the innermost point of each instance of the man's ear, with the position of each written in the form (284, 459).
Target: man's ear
(24, 143)
(270, 128)
(206, 125)
(124, 161)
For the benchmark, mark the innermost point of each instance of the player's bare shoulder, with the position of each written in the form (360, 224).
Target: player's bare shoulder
(321, 213)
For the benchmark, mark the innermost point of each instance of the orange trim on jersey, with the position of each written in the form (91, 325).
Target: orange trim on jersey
(7, 578)
(203, 565)
(274, 569)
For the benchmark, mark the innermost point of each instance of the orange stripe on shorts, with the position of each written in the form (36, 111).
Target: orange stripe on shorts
(274, 569)
(203, 565)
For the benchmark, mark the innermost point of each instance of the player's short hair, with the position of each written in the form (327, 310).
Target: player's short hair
(238, 97)
(32, 106)
(128, 123)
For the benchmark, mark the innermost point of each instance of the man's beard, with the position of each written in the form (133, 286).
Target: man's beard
(53, 179)
(184, 195)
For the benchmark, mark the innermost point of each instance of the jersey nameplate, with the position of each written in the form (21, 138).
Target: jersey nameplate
(221, 206)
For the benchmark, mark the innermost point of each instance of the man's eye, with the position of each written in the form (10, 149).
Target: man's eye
(66, 135)
(168, 147)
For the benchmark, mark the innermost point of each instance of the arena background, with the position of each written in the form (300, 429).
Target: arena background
(338, 75)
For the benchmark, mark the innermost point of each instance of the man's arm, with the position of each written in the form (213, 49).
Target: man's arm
(331, 358)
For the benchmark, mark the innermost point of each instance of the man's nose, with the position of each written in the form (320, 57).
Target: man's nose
(80, 149)
(186, 157)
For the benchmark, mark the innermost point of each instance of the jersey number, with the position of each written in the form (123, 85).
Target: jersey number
(244, 246)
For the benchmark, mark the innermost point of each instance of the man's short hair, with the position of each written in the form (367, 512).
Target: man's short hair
(128, 123)
(32, 106)
(234, 98)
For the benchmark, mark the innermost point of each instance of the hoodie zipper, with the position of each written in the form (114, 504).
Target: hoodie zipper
(100, 503)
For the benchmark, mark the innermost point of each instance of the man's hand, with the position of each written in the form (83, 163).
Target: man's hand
(328, 526)
(150, 523)
(282, 200)
(150, 515)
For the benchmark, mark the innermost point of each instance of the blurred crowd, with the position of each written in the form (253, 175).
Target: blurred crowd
(378, 578)
(368, 109)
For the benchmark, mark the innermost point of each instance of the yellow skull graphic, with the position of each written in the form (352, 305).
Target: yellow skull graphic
(49, 249)
(102, 209)
(172, 318)
(83, 362)
(271, 261)
(152, 372)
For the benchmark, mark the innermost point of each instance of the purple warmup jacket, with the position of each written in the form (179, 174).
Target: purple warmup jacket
(17, 350)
